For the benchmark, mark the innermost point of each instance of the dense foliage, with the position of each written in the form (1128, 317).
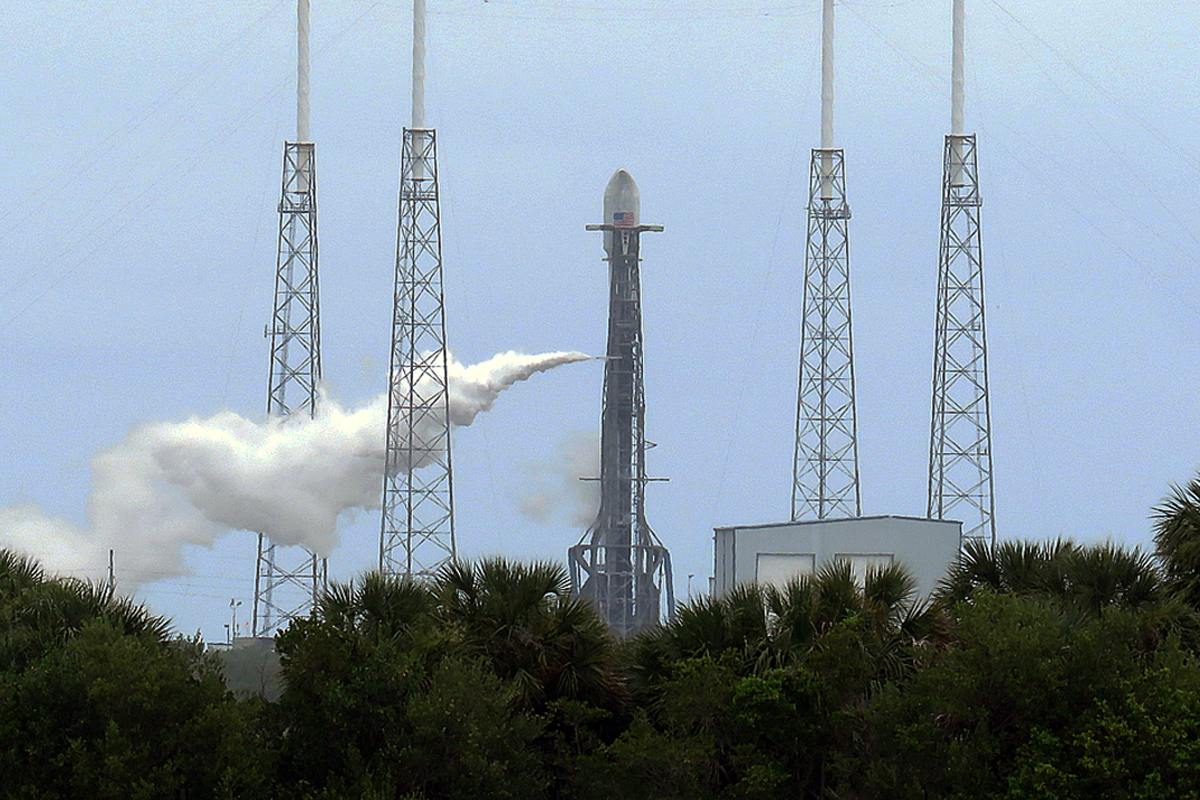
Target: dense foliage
(1038, 670)
(97, 701)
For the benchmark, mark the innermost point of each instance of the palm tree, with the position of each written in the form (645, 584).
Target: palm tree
(1083, 579)
(377, 606)
(1019, 567)
(769, 627)
(1090, 576)
(38, 612)
(711, 626)
(523, 620)
(18, 574)
(1177, 539)
(1106, 575)
(882, 617)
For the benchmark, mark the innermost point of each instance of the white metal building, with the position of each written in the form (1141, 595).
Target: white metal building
(776, 552)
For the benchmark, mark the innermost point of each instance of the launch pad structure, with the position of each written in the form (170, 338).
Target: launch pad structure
(960, 441)
(288, 580)
(620, 565)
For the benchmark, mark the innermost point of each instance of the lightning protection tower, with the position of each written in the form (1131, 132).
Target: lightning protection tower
(287, 580)
(417, 531)
(825, 469)
(620, 565)
(960, 446)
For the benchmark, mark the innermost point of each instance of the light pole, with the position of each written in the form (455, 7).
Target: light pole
(232, 626)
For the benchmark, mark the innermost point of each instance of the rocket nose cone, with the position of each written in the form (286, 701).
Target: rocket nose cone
(621, 179)
(622, 203)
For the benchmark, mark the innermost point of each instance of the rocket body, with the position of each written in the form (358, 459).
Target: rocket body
(620, 566)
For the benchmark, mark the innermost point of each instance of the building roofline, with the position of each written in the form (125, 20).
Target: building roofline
(763, 525)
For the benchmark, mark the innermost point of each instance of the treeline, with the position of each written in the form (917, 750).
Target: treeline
(1052, 670)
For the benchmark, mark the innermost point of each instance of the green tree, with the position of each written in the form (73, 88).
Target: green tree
(1032, 699)
(1083, 580)
(751, 689)
(38, 612)
(98, 700)
(465, 741)
(713, 732)
(1177, 539)
(348, 673)
(446, 690)
(768, 627)
(522, 620)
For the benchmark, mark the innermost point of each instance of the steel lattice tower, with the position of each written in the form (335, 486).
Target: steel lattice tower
(287, 580)
(417, 527)
(417, 536)
(960, 442)
(620, 565)
(960, 447)
(825, 467)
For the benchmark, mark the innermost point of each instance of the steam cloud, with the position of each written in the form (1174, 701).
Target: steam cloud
(556, 491)
(169, 485)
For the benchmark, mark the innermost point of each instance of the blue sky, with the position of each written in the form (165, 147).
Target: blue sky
(141, 173)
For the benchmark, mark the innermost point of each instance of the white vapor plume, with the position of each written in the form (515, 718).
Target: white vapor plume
(557, 490)
(169, 485)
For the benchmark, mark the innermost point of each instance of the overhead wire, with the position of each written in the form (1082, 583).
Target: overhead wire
(926, 70)
(768, 279)
(1161, 135)
(1038, 174)
(264, 209)
(1106, 198)
(181, 169)
(457, 256)
(92, 158)
(606, 12)
(1131, 170)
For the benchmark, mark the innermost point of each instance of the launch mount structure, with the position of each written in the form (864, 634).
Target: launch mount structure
(288, 580)
(825, 468)
(417, 527)
(620, 565)
(960, 442)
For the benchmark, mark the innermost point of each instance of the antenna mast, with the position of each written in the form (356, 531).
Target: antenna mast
(825, 468)
(288, 580)
(417, 526)
(960, 442)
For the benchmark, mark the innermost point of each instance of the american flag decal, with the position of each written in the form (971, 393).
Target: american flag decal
(623, 219)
